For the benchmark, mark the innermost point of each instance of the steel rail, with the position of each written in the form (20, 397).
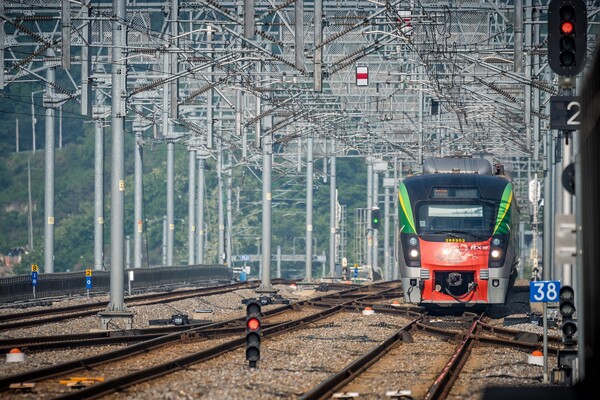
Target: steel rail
(530, 337)
(112, 385)
(44, 343)
(443, 383)
(328, 387)
(82, 310)
(90, 362)
(520, 344)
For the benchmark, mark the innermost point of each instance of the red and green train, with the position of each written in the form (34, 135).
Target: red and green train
(458, 236)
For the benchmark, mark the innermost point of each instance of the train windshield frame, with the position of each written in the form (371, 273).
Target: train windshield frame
(470, 219)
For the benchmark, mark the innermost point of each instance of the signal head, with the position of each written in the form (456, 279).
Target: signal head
(253, 347)
(566, 293)
(567, 301)
(567, 12)
(566, 27)
(567, 36)
(569, 328)
(253, 308)
(375, 216)
(253, 324)
(567, 309)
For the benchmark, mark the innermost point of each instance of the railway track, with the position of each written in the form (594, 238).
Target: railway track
(420, 354)
(467, 331)
(50, 315)
(272, 327)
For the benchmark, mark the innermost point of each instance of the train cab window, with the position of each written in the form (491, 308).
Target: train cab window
(436, 218)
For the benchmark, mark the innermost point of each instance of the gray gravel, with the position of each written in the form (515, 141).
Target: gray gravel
(293, 363)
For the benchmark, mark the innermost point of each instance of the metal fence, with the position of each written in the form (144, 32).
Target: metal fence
(17, 288)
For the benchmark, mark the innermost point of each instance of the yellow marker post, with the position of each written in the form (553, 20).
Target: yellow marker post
(88, 281)
(34, 277)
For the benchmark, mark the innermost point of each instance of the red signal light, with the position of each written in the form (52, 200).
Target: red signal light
(567, 36)
(566, 27)
(253, 324)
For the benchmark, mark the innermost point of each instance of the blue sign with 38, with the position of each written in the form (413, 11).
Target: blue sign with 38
(544, 291)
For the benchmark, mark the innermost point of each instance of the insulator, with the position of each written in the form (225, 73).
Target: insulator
(203, 89)
(279, 7)
(543, 86)
(38, 17)
(269, 37)
(216, 5)
(499, 90)
(148, 86)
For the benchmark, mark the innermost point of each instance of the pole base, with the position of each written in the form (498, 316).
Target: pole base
(119, 318)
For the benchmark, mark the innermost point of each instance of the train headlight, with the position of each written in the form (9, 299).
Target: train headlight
(414, 254)
(499, 250)
(411, 247)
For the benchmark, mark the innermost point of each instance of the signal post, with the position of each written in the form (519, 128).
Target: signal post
(567, 54)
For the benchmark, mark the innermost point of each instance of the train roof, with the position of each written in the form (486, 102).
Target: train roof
(457, 179)
(457, 165)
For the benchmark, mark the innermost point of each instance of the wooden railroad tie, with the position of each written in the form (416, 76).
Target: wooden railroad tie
(80, 381)
(22, 387)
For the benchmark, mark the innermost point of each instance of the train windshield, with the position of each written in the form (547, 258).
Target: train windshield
(475, 219)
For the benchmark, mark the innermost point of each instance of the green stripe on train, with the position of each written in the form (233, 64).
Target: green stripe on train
(504, 211)
(407, 221)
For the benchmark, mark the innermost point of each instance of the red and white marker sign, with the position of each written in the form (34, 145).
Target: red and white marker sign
(362, 76)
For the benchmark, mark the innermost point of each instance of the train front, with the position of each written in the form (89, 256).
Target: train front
(455, 240)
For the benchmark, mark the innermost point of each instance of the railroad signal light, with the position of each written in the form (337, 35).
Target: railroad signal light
(375, 218)
(253, 324)
(567, 36)
(567, 309)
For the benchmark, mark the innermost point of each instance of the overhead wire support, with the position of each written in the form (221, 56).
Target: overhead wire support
(508, 74)
(202, 90)
(263, 51)
(25, 30)
(276, 9)
(392, 65)
(357, 25)
(66, 34)
(70, 95)
(497, 89)
(29, 58)
(271, 110)
(213, 5)
(191, 126)
(357, 55)
(175, 76)
(286, 122)
(269, 37)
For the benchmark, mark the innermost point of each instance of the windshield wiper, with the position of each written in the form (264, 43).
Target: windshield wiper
(457, 234)
(482, 237)
(447, 233)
